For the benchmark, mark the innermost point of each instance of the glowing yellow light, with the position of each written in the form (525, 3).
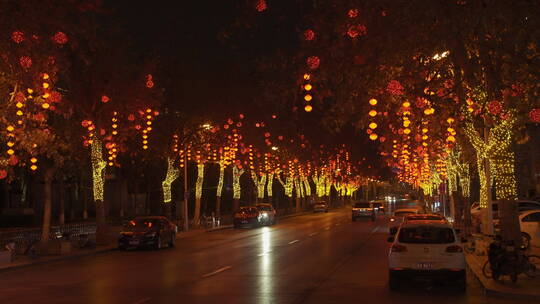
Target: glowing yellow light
(406, 104)
(111, 164)
(424, 137)
(19, 105)
(451, 138)
(450, 120)
(30, 91)
(406, 123)
(10, 144)
(372, 113)
(110, 158)
(114, 132)
(148, 116)
(451, 130)
(425, 130)
(45, 76)
(10, 128)
(307, 76)
(145, 136)
(308, 97)
(308, 108)
(373, 125)
(45, 105)
(115, 126)
(145, 147)
(308, 87)
(373, 136)
(10, 151)
(407, 131)
(149, 128)
(425, 144)
(145, 142)
(45, 85)
(33, 167)
(19, 113)
(46, 95)
(373, 101)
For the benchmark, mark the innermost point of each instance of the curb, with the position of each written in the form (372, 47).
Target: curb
(488, 284)
(56, 259)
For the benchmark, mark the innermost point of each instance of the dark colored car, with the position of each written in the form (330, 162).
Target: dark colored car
(247, 216)
(363, 209)
(320, 207)
(379, 207)
(148, 231)
(268, 214)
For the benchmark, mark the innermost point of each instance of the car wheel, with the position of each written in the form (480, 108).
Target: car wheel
(393, 282)
(157, 244)
(525, 241)
(173, 240)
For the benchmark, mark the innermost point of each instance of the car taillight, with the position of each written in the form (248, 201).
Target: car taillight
(398, 248)
(454, 248)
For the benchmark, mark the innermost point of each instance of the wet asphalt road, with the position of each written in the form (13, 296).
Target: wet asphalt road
(319, 258)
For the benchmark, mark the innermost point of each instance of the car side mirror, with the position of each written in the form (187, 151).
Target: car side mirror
(390, 239)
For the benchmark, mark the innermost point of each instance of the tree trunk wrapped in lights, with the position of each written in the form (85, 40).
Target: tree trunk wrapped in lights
(298, 192)
(219, 189)
(307, 187)
(320, 182)
(170, 177)
(269, 186)
(260, 183)
(237, 191)
(289, 180)
(198, 194)
(98, 167)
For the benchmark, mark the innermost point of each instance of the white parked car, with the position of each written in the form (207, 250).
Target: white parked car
(426, 250)
(529, 222)
(522, 206)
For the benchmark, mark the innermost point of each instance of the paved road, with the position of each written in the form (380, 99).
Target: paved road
(320, 258)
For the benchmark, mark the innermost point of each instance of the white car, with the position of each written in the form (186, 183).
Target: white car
(426, 250)
(529, 222)
(522, 206)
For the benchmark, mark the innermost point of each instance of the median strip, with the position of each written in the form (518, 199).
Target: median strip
(216, 272)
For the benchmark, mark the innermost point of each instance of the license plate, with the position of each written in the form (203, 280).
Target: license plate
(244, 222)
(134, 242)
(424, 266)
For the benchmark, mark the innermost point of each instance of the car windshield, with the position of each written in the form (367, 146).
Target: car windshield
(361, 205)
(264, 208)
(426, 235)
(139, 223)
(403, 213)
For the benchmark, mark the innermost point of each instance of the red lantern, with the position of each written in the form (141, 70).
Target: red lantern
(313, 62)
(495, 107)
(17, 37)
(105, 98)
(261, 5)
(3, 174)
(309, 35)
(60, 38)
(25, 62)
(55, 96)
(534, 115)
(353, 13)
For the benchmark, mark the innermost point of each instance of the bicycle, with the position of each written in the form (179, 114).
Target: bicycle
(509, 261)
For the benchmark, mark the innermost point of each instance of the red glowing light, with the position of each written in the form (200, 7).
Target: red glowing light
(3, 174)
(313, 62)
(149, 84)
(267, 134)
(60, 38)
(105, 98)
(395, 88)
(534, 115)
(495, 107)
(353, 13)
(55, 96)
(131, 117)
(25, 62)
(261, 5)
(13, 160)
(17, 36)
(309, 35)
(241, 116)
(19, 97)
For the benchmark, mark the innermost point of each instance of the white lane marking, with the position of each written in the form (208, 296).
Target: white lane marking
(265, 253)
(327, 228)
(314, 233)
(142, 301)
(292, 242)
(216, 272)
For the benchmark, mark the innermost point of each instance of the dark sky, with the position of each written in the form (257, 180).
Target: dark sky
(207, 74)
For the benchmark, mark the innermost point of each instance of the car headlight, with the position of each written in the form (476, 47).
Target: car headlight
(265, 215)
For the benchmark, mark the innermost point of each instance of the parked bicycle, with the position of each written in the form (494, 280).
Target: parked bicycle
(505, 259)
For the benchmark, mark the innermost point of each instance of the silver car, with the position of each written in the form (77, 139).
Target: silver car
(267, 214)
(320, 207)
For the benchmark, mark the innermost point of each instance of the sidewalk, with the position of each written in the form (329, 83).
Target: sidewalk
(25, 261)
(524, 288)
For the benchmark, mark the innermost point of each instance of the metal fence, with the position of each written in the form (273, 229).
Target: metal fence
(24, 237)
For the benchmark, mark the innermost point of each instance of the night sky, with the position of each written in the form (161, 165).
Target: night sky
(208, 53)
